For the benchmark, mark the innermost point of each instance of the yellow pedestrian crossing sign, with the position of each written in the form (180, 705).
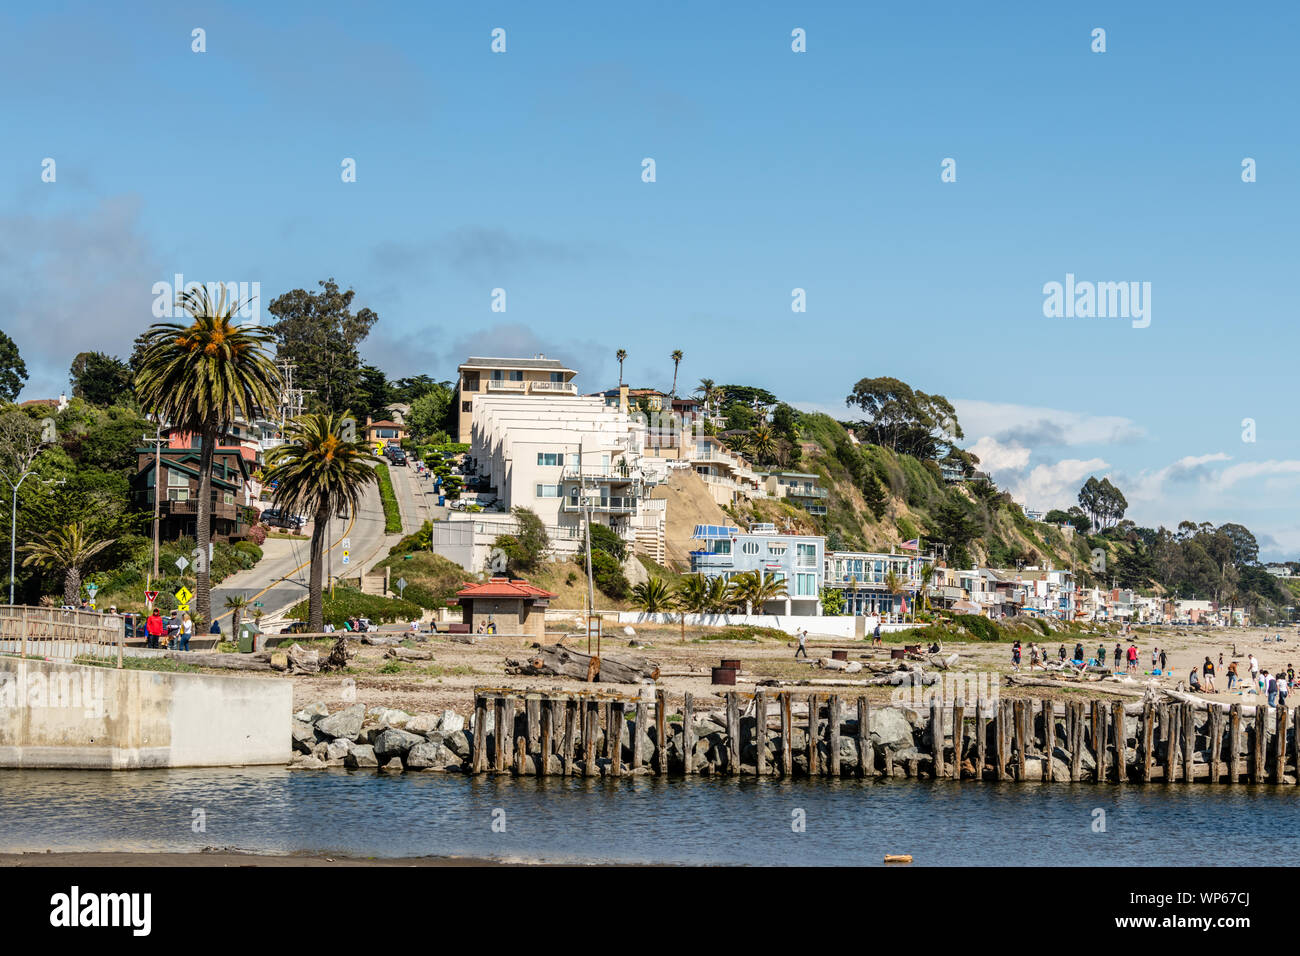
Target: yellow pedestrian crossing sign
(183, 595)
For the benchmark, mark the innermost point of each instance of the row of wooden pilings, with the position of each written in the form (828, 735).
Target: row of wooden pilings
(563, 731)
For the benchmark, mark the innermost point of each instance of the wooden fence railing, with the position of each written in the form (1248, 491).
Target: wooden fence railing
(61, 634)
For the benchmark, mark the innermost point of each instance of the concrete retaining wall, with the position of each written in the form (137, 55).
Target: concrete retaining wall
(100, 718)
(817, 625)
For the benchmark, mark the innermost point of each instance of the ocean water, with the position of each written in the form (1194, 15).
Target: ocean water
(642, 819)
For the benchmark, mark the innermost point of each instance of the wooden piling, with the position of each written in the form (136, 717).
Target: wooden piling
(1234, 734)
(617, 721)
(1214, 733)
(787, 728)
(1169, 730)
(1296, 724)
(661, 731)
(607, 719)
(833, 736)
(1257, 768)
(936, 735)
(1019, 715)
(958, 737)
(733, 734)
(1279, 746)
(866, 758)
(813, 737)
(533, 714)
(1000, 741)
(760, 732)
(1189, 741)
(1076, 740)
(1148, 739)
(499, 735)
(638, 728)
(1049, 737)
(521, 755)
(1099, 739)
(688, 734)
(547, 735)
(589, 730)
(571, 716)
(1121, 741)
(981, 736)
(479, 763)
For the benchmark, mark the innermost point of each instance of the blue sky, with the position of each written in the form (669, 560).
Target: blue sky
(775, 170)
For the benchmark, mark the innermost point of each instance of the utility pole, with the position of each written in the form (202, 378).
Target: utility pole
(157, 441)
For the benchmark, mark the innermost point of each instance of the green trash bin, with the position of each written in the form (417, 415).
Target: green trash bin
(247, 639)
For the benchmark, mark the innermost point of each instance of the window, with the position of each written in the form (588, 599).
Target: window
(511, 375)
(557, 376)
(776, 547)
(805, 585)
(549, 491)
(574, 460)
(466, 406)
(749, 547)
(719, 547)
(550, 459)
(807, 555)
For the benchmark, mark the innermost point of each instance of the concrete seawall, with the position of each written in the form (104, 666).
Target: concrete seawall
(74, 716)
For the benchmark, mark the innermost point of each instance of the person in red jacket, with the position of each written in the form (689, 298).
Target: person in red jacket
(153, 627)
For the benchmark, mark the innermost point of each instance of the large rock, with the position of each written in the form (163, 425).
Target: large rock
(306, 762)
(423, 723)
(431, 756)
(361, 757)
(395, 743)
(338, 749)
(393, 766)
(389, 716)
(459, 743)
(346, 723)
(304, 736)
(890, 728)
(312, 713)
(451, 722)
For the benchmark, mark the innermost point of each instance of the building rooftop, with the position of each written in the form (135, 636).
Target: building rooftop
(502, 588)
(539, 362)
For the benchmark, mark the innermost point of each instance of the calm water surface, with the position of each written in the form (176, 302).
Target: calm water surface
(645, 819)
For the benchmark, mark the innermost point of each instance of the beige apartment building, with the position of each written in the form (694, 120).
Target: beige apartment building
(514, 377)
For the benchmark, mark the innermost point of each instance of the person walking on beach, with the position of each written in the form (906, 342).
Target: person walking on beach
(803, 646)
(1015, 656)
(1101, 655)
(1061, 652)
(1254, 672)
(1163, 665)
(1207, 671)
(1232, 675)
(1033, 656)
(1132, 658)
(1270, 684)
(1119, 653)
(1282, 690)
(1155, 657)
(875, 636)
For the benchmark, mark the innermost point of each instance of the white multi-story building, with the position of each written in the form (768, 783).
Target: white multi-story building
(564, 457)
(798, 560)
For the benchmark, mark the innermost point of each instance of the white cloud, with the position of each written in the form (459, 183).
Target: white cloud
(998, 457)
(1055, 485)
(1034, 426)
(1255, 469)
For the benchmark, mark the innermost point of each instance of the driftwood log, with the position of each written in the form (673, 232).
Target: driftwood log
(560, 661)
(409, 653)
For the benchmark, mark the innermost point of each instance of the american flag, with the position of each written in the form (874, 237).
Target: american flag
(913, 545)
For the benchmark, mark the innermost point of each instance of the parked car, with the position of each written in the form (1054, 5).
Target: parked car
(276, 518)
(295, 627)
(399, 458)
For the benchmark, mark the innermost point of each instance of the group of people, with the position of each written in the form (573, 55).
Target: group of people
(159, 635)
(1276, 686)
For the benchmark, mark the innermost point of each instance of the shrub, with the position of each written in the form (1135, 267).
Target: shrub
(349, 602)
(392, 514)
(981, 627)
(608, 575)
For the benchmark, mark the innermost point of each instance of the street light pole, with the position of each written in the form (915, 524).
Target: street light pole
(13, 537)
(157, 442)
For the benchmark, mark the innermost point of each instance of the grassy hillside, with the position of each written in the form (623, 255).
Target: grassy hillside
(879, 499)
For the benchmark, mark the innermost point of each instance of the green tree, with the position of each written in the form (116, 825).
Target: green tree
(652, 596)
(13, 370)
(200, 377)
(68, 549)
(100, 379)
(1102, 502)
(753, 591)
(621, 355)
(374, 393)
(318, 471)
(904, 419)
(528, 546)
(432, 413)
(321, 334)
(833, 601)
(236, 605)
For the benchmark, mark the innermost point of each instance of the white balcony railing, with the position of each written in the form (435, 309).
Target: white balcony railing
(563, 388)
(505, 385)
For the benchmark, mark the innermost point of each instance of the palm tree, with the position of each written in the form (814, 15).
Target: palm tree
(762, 442)
(706, 391)
(893, 582)
(319, 472)
(201, 377)
(927, 575)
(236, 603)
(652, 596)
(67, 549)
(753, 591)
(677, 360)
(621, 355)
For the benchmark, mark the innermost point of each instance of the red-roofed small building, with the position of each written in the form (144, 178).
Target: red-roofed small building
(514, 606)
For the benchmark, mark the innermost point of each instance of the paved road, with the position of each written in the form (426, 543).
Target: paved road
(416, 498)
(280, 579)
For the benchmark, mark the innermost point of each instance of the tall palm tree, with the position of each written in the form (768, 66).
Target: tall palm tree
(893, 582)
(927, 575)
(677, 360)
(621, 355)
(201, 377)
(319, 472)
(706, 390)
(67, 549)
(236, 603)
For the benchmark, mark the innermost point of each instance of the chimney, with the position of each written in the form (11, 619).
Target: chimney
(622, 399)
